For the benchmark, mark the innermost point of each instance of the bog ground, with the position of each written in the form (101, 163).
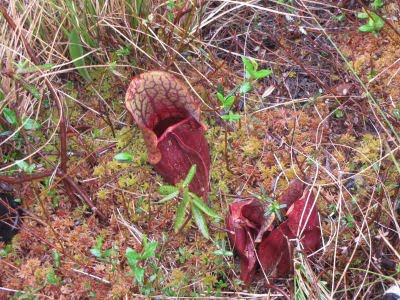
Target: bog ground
(286, 89)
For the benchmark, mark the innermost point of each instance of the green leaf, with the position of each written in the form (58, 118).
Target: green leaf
(221, 97)
(149, 251)
(366, 28)
(245, 87)
(139, 274)
(248, 65)
(340, 17)
(52, 278)
(99, 241)
(339, 113)
(262, 73)
(379, 22)
(24, 166)
(10, 116)
(169, 197)
(377, 4)
(228, 102)
(396, 113)
(203, 207)
(132, 257)
(190, 175)
(231, 117)
(30, 88)
(362, 15)
(200, 221)
(56, 257)
(231, 92)
(30, 124)
(123, 157)
(181, 211)
(76, 52)
(223, 252)
(96, 252)
(167, 189)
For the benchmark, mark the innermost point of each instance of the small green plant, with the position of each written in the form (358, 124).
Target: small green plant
(24, 166)
(11, 118)
(52, 278)
(396, 113)
(252, 74)
(340, 17)
(348, 220)
(274, 208)
(231, 117)
(226, 104)
(100, 254)
(134, 258)
(222, 251)
(7, 251)
(374, 22)
(339, 113)
(182, 255)
(188, 199)
(377, 4)
(56, 257)
(226, 101)
(51, 192)
(372, 74)
(273, 205)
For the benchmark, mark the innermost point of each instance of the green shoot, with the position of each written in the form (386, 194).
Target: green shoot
(76, 52)
(222, 251)
(231, 117)
(374, 22)
(226, 101)
(377, 4)
(100, 254)
(134, 258)
(252, 74)
(188, 199)
(274, 208)
(273, 205)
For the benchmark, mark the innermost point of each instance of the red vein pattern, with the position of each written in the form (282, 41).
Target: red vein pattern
(169, 119)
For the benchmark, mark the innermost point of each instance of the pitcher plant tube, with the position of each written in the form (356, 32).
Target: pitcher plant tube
(169, 119)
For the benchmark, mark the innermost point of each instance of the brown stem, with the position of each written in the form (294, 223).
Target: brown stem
(26, 178)
(71, 183)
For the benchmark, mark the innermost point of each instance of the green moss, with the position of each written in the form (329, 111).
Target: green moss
(102, 194)
(369, 149)
(252, 147)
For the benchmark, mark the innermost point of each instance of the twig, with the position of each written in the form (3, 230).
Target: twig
(26, 178)
(92, 276)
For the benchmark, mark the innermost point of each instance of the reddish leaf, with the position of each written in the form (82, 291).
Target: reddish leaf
(273, 252)
(293, 192)
(244, 221)
(302, 222)
(169, 118)
(302, 215)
